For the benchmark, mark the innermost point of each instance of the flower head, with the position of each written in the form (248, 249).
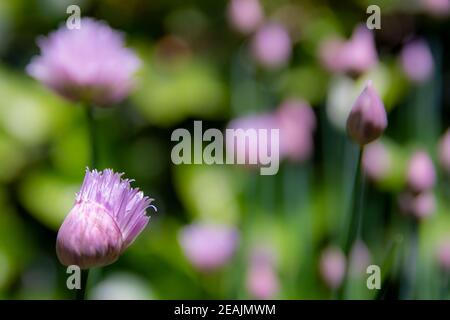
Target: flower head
(359, 53)
(421, 175)
(107, 216)
(88, 64)
(297, 122)
(443, 253)
(262, 280)
(356, 55)
(417, 61)
(332, 267)
(208, 246)
(367, 119)
(272, 46)
(376, 160)
(245, 15)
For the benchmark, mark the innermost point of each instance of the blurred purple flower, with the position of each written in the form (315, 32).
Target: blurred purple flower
(332, 267)
(444, 151)
(262, 280)
(297, 122)
(271, 45)
(376, 160)
(421, 175)
(107, 217)
(443, 254)
(259, 121)
(359, 53)
(417, 61)
(89, 64)
(208, 246)
(437, 8)
(330, 54)
(356, 55)
(367, 119)
(245, 15)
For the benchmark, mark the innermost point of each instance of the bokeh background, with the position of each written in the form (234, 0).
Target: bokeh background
(201, 62)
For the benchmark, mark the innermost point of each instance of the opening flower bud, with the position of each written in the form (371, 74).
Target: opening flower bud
(107, 216)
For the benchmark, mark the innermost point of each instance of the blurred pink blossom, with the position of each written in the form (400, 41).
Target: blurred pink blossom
(208, 246)
(421, 175)
(417, 61)
(359, 53)
(245, 15)
(297, 122)
(332, 267)
(266, 121)
(330, 54)
(444, 151)
(376, 160)
(90, 64)
(443, 254)
(262, 280)
(271, 45)
(356, 55)
(421, 205)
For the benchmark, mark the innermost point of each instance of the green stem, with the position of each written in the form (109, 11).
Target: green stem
(80, 294)
(355, 223)
(353, 231)
(92, 135)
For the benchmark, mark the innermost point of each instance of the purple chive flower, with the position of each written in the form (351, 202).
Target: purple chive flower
(417, 61)
(89, 64)
(421, 175)
(367, 119)
(245, 15)
(332, 267)
(297, 122)
(443, 254)
(107, 217)
(271, 45)
(208, 246)
(376, 160)
(262, 280)
(444, 151)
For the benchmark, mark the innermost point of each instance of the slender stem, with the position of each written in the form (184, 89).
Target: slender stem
(353, 231)
(80, 294)
(409, 291)
(355, 221)
(92, 135)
